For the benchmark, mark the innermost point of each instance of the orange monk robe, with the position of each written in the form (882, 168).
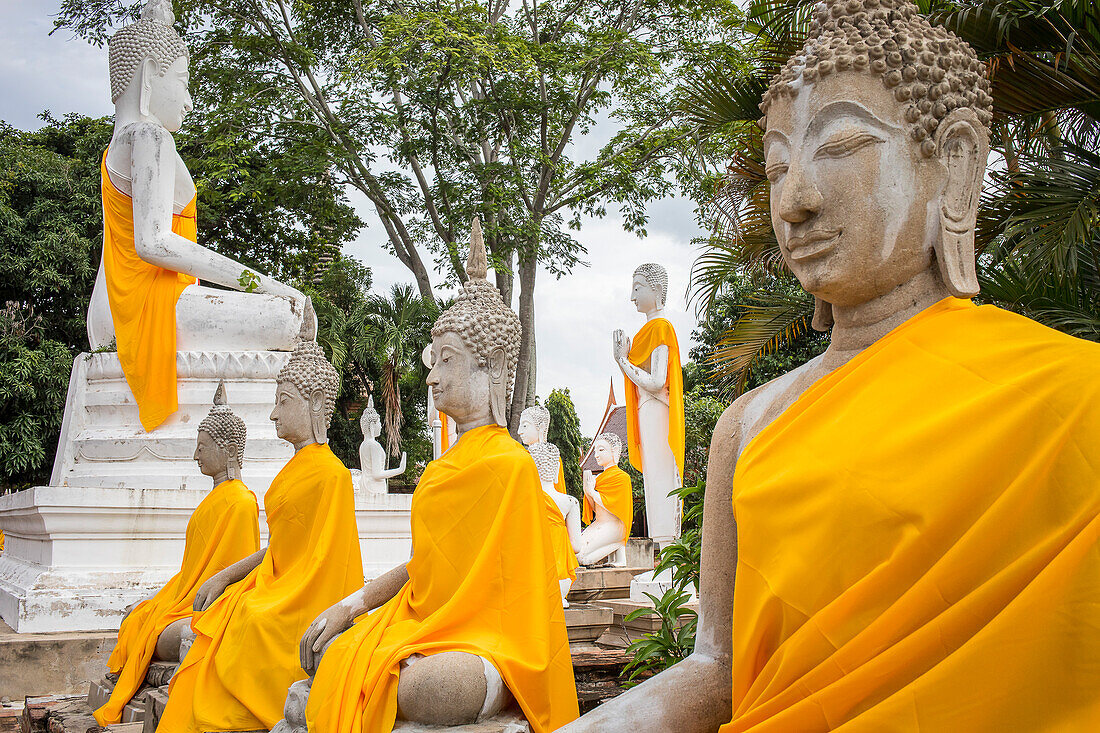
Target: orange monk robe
(657, 332)
(224, 528)
(482, 580)
(565, 558)
(917, 537)
(143, 304)
(246, 653)
(444, 434)
(613, 486)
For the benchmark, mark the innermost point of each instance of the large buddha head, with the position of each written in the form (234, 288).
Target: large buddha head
(306, 389)
(475, 347)
(149, 67)
(875, 142)
(534, 425)
(649, 290)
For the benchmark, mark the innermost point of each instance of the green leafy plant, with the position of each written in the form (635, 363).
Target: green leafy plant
(249, 281)
(675, 639)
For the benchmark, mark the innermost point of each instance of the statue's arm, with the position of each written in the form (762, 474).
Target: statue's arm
(653, 380)
(390, 473)
(696, 695)
(152, 183)
(209, 591)
(338, 618)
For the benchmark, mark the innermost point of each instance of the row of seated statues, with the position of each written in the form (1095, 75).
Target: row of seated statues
(901, 534)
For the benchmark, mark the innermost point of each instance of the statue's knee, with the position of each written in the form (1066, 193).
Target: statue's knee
(442, 689)
(168, 643)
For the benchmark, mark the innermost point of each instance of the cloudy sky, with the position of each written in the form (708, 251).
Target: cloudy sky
(574, 315)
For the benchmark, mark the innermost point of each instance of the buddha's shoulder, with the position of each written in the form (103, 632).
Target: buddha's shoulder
(144, 131)
(756, 409)
(502, 452)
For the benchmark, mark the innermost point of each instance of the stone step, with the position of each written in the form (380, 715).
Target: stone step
(506, 722)
(586, 621)
(602, 583)
(61, 663)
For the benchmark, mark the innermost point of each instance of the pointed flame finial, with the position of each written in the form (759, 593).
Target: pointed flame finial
(477, 264)
(370, 401)
(219, 395)
(309, 322)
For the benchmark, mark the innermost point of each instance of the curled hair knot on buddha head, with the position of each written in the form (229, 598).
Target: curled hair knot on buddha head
(539, 417)
(929, 69)
(370, 417)
(152, 36)
(308, 369)
(614, 442)
(225, 428)
(480, 316)
(546, 457)
(656, 277)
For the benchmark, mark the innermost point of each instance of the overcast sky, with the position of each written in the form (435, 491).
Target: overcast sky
(574, 316)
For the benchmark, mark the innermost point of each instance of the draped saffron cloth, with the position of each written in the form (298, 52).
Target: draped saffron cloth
(559, 484)
(565, 559)
(657, 332)
(613, 486)
(482, 580)
(143, 304)
(245, 655)
(224, 528)
(917, 537)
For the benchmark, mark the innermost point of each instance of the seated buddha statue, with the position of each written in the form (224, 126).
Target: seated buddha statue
(608, 503)
(372, 456)
(249, 617)
(900, 534)
(146, 298)
(223, 529)
(562, 510)
(473, 622)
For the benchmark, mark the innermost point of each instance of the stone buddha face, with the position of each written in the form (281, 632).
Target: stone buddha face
(211, 459)
(461, 387)
(857, 210)
(165, 97)
(642, 295)
(297, 416)
(604, 454)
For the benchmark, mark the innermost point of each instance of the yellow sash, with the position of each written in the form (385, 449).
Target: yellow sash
(246, 655)
(143, 304)
(564, 558)
(657, 332)
(917, 537)
(224, 528)
(559, 484)
(482, 580)
(613, 485)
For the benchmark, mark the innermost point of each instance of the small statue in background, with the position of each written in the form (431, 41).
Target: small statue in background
(563, 510)
(372, 456)
(223, 529)
(654, 402)
(608, 504)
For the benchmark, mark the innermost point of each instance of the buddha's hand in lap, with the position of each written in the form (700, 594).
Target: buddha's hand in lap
(209, 591)
(326, 627)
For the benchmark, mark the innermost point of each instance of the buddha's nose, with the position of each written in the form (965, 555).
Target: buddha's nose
(799, 200)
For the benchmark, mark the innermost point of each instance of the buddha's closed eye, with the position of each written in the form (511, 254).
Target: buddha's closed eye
(844, 144)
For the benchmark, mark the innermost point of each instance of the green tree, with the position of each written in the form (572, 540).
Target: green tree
(565, 433)
(437, 112)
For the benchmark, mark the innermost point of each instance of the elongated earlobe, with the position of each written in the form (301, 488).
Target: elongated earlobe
(498, 387)
(147, 69)
(962, 147)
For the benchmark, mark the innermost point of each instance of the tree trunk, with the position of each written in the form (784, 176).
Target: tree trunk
(525, 370)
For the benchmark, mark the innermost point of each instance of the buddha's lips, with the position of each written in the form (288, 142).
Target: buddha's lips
(813, 244)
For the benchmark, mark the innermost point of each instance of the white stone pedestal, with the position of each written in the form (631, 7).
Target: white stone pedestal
(110, 528)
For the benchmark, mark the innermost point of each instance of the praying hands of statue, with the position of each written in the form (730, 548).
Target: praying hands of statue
(621, 346)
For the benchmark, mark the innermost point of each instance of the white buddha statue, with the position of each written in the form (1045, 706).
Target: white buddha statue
(655, 402)
(608, 503)
(372, 456)
(563, 510)
(146, 298)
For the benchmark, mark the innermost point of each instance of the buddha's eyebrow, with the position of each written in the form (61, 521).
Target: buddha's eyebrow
(775, 136)
(845, 108)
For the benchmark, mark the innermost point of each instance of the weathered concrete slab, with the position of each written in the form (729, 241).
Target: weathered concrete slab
(586, 621)
(602, 583)
(58, 663)
(507, 722)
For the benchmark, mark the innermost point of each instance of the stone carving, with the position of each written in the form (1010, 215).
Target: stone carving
(372, 456)
(228, 433)
(475, 344)
(876, 142)
(607, 531)
(149, 74)
(655, 402)
(534, 425)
